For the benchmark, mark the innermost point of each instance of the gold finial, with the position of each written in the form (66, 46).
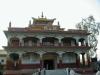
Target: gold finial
(10, 24)
(42, 15)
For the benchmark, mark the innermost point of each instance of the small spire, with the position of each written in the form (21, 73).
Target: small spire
(29, 22)
(58, 23)
(10, 24)
(42, 15)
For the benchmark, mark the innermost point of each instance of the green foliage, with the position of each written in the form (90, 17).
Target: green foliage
(91, 26)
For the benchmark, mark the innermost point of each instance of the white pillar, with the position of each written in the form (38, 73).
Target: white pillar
(21, 40)
(60, 43)
(86, 42)
(40, 40)
(9, 42)
(41, 58)
(60, 58)
(78, 59)
(60, 53)
(77, 41)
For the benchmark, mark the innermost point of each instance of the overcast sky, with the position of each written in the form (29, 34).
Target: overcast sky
(68, 12)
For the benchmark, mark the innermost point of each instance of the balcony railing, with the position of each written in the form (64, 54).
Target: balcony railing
(68, 45)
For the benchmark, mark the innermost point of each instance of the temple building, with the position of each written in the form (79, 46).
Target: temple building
(45, 45)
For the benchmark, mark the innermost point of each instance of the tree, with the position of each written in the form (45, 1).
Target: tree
(91, 26)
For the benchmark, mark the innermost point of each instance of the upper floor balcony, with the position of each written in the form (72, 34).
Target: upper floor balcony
(48, 42)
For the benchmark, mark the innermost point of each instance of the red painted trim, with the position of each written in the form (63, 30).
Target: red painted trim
(10, 65)
(11, 74)
(29, 66)
(64, 65)
(41, 64)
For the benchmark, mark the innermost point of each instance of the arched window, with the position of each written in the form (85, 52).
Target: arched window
(30, 41)
(68, 41)
(50, 41)
(14, 42)
(81, 42)
(14, 56)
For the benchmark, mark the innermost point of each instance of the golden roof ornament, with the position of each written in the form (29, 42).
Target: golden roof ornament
(42, 15)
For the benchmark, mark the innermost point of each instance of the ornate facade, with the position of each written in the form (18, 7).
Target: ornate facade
(44, 45)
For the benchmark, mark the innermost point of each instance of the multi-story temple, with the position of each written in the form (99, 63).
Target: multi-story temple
(44, 45)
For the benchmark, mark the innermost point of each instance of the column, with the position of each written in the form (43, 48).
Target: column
(60, 59)
(78, 60)
(83, 58)
(9, 42)
(8, 62)
(88, 60)
(40, 41)
(20, 57)
(77, 42)
(41, 58)
(86, 41)
(19, 61)
(59, 38)
(60, 42)
(21, 41)
(41, 61)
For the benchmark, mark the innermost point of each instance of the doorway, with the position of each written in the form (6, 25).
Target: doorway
(48, 64)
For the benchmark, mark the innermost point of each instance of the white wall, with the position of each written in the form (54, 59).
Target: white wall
(69, 58)
(30, 59)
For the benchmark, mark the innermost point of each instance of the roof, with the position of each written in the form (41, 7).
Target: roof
(44, 25)
(27, 30)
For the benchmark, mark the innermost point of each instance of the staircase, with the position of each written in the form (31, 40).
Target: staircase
(55, 72)
(62, 72)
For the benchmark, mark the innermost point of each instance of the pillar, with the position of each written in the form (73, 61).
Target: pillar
(60, 42)
(20, 58)
(21, 41)
(41, 58)
(59, 38)
(41, 62)
(88, 59)
(86, 40)
(78, 60)
(60, 59)
(83, 59)
(40, 40)
(77, 41)
(9, 42)
(18, 62)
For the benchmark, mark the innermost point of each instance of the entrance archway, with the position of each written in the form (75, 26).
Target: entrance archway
(50, 60)
(48, 64)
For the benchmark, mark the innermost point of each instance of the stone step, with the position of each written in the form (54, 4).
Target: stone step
(55, 72)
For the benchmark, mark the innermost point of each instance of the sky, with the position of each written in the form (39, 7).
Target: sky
(67, 12)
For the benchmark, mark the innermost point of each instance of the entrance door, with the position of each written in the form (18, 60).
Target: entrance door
(49, 64)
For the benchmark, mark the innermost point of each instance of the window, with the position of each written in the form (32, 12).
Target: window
(2, 60)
